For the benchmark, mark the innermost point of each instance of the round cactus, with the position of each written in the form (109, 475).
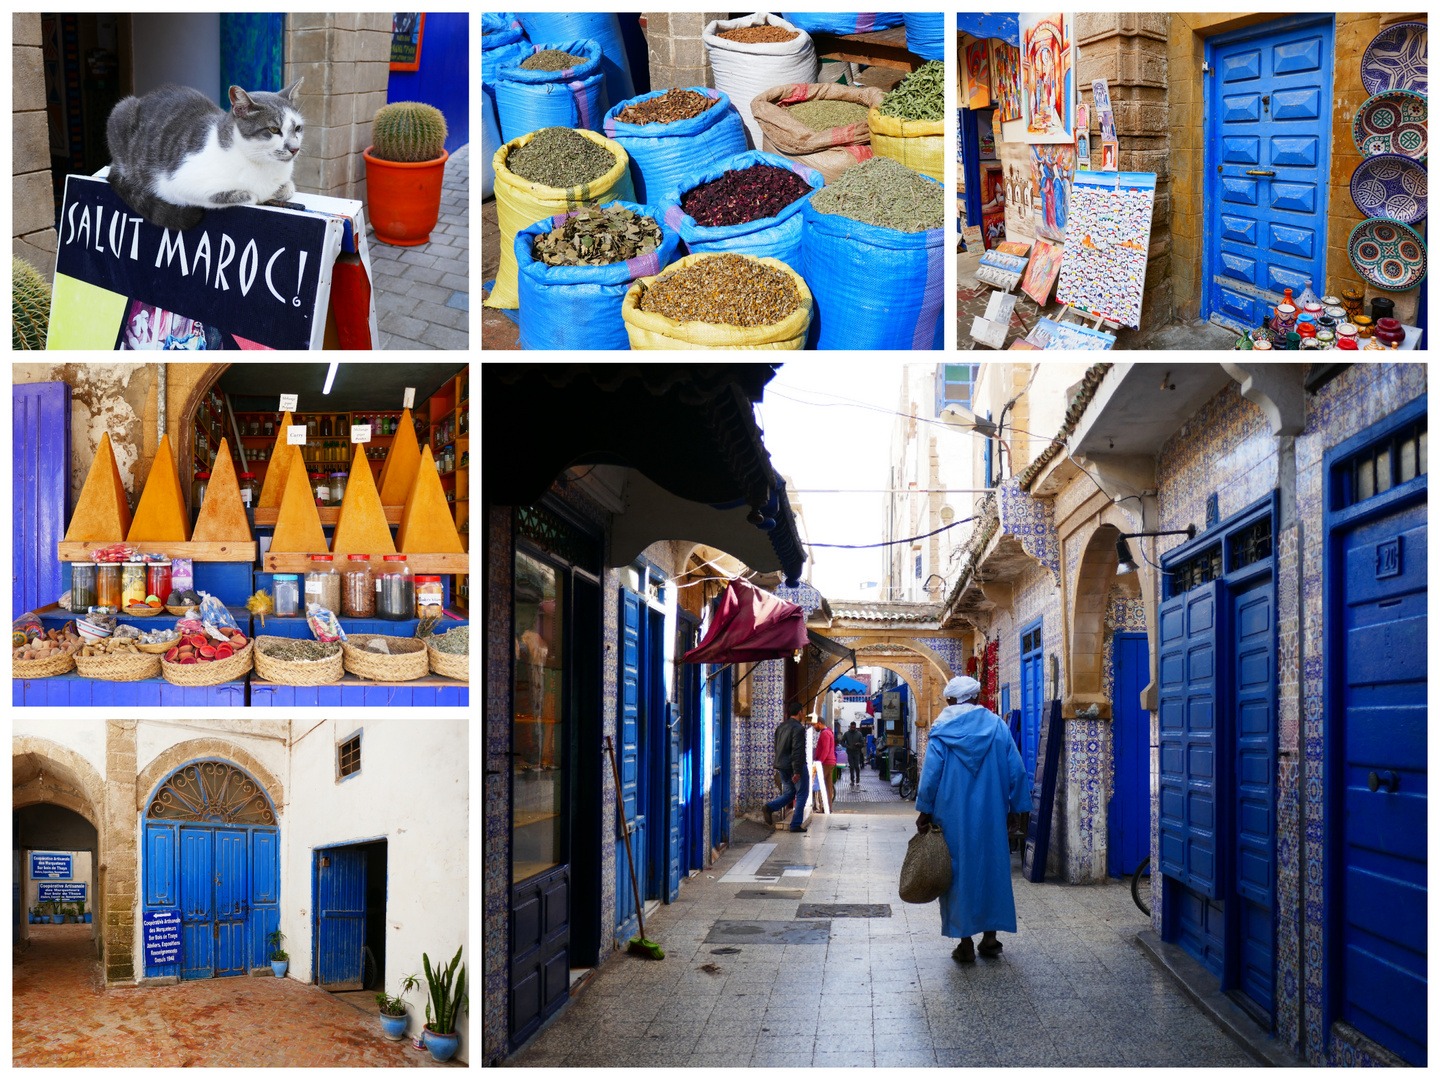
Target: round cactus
(31, 295)
(409, 131)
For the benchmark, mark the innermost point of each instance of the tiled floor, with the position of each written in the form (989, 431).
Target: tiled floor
(63, 1016)
(1070, 989)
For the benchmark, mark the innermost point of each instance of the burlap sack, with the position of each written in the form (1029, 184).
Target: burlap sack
(925, 874)
(828, 163)
(789, 136)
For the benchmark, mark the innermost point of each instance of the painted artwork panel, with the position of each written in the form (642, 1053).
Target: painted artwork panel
(1047, 78)
(985, 126)
(1040, 274)
(977, 74)
(1109, 156)
(1082, 151)
(1019, 190)
(1108, 236)
(1053, 166)
(994, 228)
(1005, 79)
(1101, 90)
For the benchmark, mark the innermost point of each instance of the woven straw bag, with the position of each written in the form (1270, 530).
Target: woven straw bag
(452, 665)
(297, 672)
(926, 872)
(118, 667)
(211, 673)
(408, 658)
(44, 669)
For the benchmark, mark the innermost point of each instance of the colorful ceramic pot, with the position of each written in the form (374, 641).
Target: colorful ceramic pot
(1263, 346)
(1364, 326)
(1387, 253)
(1354, 300)
(1382, 307)
(1346, 343)
(1292, 341)
(1389, 331)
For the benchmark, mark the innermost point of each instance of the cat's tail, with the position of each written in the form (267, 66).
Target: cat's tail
(152, 208)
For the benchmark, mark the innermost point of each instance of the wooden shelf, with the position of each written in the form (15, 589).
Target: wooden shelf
(211, 551)
(329, 515)
(354, 680)
(288, 563)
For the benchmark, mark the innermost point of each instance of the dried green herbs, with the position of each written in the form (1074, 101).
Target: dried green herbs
(822, 114)
(884, 193)
(560, 158)
(669, 107)
(727, 289)
(293, 649)
(921, 96)
(456, 641)
(758, 35)
(598, 238)
(551, 60)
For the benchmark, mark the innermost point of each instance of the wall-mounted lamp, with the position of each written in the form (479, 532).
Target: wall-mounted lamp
(961, 417)
(1122, 549)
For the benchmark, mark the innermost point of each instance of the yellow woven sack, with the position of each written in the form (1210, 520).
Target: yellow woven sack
(520, 203)
(916, 144)
(650, 331)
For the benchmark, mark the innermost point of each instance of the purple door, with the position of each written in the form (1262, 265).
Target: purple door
(41, 501)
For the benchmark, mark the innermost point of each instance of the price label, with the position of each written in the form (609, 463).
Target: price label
(295, 435)
(409, 397)
(289, 402)
(359, 433)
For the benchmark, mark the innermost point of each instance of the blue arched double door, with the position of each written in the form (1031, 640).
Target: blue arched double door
(212, 856)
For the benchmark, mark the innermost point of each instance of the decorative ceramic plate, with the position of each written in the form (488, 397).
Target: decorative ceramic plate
(1390, 186)
(1395, 60)
(1392, 122)
(1388, 254)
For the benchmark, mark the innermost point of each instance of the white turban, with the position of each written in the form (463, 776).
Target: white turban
(962, 688)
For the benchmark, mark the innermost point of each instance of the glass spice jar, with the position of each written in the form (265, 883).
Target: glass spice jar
(429, 596)
(357, 588)
(337, 488)
(394, 589)
(247, 489)
(269, 427)
(287, 594)
(132, 584)
(107, 585)
(198, 487)
(322, 584)
(320, 488)
(82, 586)
(157, 579)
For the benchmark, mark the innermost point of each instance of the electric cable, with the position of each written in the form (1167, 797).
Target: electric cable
(892, 543)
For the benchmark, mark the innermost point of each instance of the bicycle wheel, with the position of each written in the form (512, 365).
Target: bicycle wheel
(907, 785)
(1143, 868)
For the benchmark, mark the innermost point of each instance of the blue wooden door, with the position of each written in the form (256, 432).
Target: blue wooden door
(264, 894)
(340, 918)
(693, 769)
(675, 855)
(232, 893)
(629, 752)
(718, 699)
(1032, 694)
(1251, 719)
(1129, 839)
(1383, 865)
(1267, 169)
(40, 498)
(197, 903)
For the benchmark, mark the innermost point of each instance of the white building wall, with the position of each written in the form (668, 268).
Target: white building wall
(84, 737)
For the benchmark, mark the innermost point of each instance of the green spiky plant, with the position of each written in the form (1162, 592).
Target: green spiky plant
(30, 295)
(447, 1004)
(408, 131)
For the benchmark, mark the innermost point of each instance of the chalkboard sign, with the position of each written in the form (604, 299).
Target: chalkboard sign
(54, 865)
(65, 891)
(162, 938)
(407, 30)
(1042, 795)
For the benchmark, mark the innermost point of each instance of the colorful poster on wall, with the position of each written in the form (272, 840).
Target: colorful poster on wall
(1019, 190)
(994, 228)
(1101, 90)
(1109, 155)
(407, 36)
(1047, 78)
(1005, 79)
(1108, 243)
(977, 74)
(992, 186)
(1040, 274)
(1053, 166)
(1082, 151)
(985, 126)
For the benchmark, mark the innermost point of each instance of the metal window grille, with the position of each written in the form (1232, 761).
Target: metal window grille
(1395, 459)
(1196, 571)
(956, 385)
(212, 791)
(553, 534)
(1251, 545)
(350, 757)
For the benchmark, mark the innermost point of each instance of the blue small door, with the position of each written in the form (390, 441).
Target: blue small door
(1129, 840)
(629, 753)
(340, 918)
(675, 850)
(231, 892)
(264, 894)
(1267, 164)
(197, 903)
(1032, 693)
(40, 498)
(718, 702)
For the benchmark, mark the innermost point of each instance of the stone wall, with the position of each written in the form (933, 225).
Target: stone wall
(31, 194)
(119, 865)
(678, 56)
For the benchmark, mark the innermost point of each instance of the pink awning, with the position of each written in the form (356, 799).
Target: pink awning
(750, 625)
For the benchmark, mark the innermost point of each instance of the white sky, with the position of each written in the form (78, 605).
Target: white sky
(827, 442)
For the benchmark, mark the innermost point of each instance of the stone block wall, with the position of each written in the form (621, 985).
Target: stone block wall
(32, 198)
(678, 56)
(118, 872)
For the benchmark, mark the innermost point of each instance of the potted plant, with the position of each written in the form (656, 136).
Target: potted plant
(279, 958)
(81, 914)
(447, 995)
(393, 1018)
(403, 172)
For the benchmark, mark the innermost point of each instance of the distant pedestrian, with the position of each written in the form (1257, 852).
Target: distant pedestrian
(790, 768)
(973, 778)
(870, 747)
(825, 755)
(854, 744)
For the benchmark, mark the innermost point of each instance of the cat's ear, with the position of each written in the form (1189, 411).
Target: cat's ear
(240, 102)
(290, 91)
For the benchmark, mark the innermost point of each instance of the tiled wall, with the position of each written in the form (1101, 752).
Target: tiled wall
(499, 615)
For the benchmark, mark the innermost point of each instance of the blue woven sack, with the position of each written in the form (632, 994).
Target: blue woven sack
(925, 34)
(530, 100)
(578, 307)
(843, 22)
(490, 141)
(874, 288)
(502, 42)
(662, 155)
(599, 27)
(775, 237)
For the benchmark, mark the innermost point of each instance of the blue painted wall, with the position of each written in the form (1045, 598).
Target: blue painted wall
(444, 76)
(250, 52)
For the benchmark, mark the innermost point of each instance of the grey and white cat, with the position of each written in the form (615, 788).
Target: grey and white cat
(174, 152)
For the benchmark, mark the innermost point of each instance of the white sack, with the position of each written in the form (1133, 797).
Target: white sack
(743, 71)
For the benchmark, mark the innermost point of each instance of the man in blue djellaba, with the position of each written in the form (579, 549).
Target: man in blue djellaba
(972, 779)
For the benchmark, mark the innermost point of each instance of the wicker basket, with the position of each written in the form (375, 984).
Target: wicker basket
(212, 673)
(157, 647)
(408, 658)
(119, 667)
(44, 669)
(142, 611)
(180, 609)
(298, 672)
(451, 665)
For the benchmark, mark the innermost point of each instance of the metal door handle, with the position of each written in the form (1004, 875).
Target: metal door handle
(1259, 172)
(1388, 778)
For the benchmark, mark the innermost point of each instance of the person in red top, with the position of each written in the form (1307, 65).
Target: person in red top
(825, 754)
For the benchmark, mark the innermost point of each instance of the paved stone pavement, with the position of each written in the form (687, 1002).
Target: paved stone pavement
(422, 293)
(1070, 989)
(62, 1015)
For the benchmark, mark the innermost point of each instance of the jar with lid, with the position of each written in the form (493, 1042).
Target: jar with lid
(82, 586)
(429, 596)
(197, 488)
(357, 588)
(269, 427)
(107, 585)
(322, 584)
(326, 430)
(337, 488)
(320, 487)
(157, 579)
(247, 489)
(394, 589)
(310, 431)
(132, 584)
(287, 594)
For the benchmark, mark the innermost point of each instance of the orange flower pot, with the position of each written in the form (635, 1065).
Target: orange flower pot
(404, 197)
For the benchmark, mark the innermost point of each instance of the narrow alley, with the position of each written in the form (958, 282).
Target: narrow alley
(873, 984)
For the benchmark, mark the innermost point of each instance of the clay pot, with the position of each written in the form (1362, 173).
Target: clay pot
(403, 197)
(1389, 331)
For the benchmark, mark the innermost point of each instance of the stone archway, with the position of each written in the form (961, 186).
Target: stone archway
(172, 758)
(185, 437)
(1094, 576)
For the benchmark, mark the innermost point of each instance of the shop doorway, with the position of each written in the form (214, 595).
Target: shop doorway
(1129, 840)
(349, 892)
(1267, 165)
(1032, 693)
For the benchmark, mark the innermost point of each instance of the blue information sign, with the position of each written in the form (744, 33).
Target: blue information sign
(51, 864)
(162, 938)
(65, 891)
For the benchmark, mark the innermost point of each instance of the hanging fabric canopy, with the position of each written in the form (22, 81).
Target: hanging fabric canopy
(848, 685)
(750, 625)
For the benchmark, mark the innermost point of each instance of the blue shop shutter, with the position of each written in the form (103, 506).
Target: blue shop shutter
(40, 500)
(672, 860)
(1189, 757)
(628, 751)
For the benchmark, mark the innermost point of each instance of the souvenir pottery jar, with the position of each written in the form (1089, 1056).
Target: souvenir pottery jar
(1389, 332)
(1346, 343)
(1285, 315)
(1329, 301)
(1292, 341)
(1325, 339)
(1313, 309)
(1327, 322)
(1354, 301)
(1345, 330)
(1382, 307)
(1364, 326)
(1307, 296)
(1262, 346)
(1337, 312)
(1306, 329)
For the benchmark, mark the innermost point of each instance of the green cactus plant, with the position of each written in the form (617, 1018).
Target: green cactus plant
(30, 295)
(447, 1005)
(408, 131)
